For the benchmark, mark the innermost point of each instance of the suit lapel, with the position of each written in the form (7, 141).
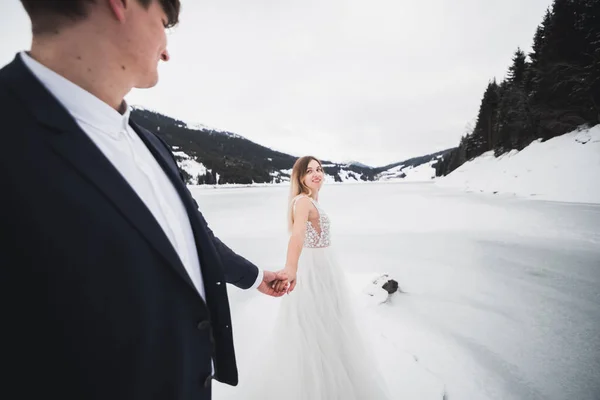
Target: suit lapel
(160, 153)
(68, 140)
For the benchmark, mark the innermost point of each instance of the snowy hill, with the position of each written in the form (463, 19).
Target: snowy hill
(188, 164)
(417, 169)
(564, 168)
(212, 156)
(333, 172)
(356, 163)
(420, 173)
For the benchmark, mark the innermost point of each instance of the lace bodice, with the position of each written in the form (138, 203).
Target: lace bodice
(313, 238)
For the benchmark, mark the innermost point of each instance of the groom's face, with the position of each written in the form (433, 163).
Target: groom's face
(145, 42)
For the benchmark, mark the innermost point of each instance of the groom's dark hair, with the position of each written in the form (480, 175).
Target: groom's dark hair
(47, 16)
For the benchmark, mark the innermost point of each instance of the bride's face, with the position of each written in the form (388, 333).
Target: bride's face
(314, 176)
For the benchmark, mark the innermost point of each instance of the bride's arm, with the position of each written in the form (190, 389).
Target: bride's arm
(296, 241)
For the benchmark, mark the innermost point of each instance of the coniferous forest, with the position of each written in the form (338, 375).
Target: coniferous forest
(551, 91)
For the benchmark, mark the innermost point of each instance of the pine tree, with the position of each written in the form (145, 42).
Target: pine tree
(514, 129)
(590, 26)
(483, 135)
(501, 144)
(538, 42)
(557, 91)
(518, 70)
(561, 98)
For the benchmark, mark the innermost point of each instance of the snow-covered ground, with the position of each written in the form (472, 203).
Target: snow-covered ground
(565, 168)
(502, 294)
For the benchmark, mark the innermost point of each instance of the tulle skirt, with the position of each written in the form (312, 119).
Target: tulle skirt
(316, 349)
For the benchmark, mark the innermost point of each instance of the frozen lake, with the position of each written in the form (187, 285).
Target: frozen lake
(502, 294)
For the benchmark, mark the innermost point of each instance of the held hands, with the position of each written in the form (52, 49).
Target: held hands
(289, 284)
(277, 284)
(269, 285)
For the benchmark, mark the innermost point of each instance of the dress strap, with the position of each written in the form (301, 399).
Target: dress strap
(298, 198)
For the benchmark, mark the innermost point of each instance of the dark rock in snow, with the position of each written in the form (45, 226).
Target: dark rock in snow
(390, 286)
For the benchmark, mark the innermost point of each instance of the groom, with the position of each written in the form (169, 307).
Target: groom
(112, 284)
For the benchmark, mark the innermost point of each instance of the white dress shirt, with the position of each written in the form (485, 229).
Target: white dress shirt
(115, 138)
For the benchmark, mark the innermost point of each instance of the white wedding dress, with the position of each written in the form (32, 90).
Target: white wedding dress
(316, 350)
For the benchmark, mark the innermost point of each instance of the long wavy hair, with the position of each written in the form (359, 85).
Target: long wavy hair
(297, 186)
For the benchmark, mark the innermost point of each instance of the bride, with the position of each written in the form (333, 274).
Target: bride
(316, 351)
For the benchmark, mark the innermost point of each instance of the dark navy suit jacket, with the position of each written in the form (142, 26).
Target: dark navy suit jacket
(95, 302)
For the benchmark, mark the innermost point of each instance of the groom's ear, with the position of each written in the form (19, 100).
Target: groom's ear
(118, 9)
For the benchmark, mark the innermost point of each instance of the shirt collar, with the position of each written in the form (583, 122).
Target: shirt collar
(81, 104)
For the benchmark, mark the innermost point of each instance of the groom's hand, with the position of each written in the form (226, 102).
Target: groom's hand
(289, 284)
(268, 285)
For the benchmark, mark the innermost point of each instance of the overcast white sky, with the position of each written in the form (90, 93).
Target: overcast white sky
(376, 81)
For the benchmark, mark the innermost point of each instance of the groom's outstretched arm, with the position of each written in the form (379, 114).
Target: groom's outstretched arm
(243, 273)
(238, 270)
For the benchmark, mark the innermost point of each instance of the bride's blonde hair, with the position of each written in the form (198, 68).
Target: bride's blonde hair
(297, 186)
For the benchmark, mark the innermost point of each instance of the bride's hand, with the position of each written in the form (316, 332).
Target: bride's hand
(290, 283)
(270, 278)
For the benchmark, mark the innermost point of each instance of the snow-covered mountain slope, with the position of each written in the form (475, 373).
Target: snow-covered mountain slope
(194, 168)
(421, 173)
(188, 164)
(564, 168)
(213, 156)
